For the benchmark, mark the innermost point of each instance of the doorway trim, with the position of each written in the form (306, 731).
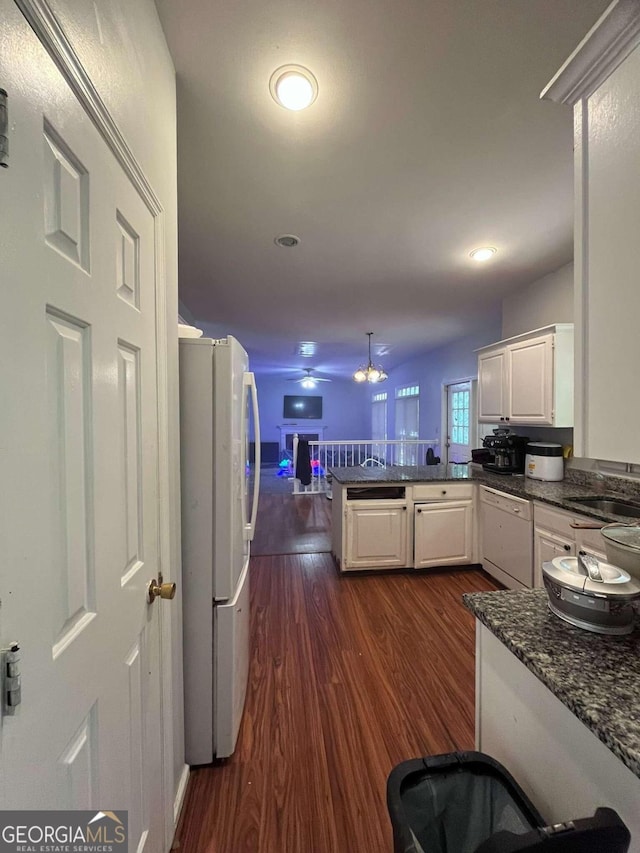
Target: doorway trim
(444, 410)
(43, 21)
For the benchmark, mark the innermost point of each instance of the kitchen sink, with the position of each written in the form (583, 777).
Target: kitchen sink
(611, 506)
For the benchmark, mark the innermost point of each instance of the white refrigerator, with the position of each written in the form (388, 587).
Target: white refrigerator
(217, 398)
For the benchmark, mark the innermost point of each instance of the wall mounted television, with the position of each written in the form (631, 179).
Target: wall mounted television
(297, 406)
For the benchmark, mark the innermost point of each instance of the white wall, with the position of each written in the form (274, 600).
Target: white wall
(449, 363)
(541, 303)
(122, 47)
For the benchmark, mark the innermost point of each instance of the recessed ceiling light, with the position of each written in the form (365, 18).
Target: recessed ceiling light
(483, 254)
(293, 87)
(287, 241)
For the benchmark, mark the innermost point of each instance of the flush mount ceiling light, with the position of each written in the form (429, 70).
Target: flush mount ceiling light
(293, 87)
(287, 241)
(483, 254)
(370, 373)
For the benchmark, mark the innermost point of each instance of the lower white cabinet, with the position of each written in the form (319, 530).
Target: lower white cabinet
(546, 547)
(376, 535)
(555, 535)
(443, 534)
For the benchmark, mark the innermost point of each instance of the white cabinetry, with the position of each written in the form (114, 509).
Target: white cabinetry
(546, 547)
(422, 526)
(492, 397)
(555, 536)
(442, 524)
(601, 80)
(376, 535)
(528, 379)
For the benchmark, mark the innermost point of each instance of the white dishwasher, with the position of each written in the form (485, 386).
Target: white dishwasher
(507, 538)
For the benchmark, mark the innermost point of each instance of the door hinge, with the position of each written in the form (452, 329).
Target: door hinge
(4, 130)
(11, 678)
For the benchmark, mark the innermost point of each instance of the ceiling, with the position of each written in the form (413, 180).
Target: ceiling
(427, 140)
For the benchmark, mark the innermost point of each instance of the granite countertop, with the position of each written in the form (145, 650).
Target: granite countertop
(356, 474)
(556, 494)
(597, 677)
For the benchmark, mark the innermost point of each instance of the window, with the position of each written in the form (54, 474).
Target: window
(379, 416)
(379, 425)
(407, 399)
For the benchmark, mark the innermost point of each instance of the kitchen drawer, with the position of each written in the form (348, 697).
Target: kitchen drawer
(518, 506)
(442, 491)
(554, 519)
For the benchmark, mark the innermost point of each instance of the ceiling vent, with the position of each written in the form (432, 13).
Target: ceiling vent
(287, 241)
(306, 349)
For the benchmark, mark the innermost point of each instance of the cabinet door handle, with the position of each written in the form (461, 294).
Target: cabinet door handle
(567, 547)
(419, 510)
(444, 491)
(516, 509)
(506, 419)
(501, 419)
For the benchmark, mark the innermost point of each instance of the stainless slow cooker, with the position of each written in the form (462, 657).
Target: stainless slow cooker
(603, 606)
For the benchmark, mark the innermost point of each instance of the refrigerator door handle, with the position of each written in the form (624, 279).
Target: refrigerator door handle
(250, 382)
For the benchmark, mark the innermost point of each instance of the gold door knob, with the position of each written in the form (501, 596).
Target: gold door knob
(158, 589)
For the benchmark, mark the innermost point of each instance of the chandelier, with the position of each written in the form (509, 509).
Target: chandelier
(370, 373)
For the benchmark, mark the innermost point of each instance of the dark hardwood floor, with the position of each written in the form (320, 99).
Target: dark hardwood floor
(292, 524)
(349, 676)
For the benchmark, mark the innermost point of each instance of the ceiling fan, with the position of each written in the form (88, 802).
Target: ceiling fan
(308, 381)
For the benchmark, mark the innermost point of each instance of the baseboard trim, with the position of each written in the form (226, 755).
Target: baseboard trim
(180, 794)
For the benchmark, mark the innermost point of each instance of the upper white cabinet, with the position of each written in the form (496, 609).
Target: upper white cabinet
(492, 402)
(601, 80)
(528, 379)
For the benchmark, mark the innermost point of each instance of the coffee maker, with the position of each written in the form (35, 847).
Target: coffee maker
(508, 450)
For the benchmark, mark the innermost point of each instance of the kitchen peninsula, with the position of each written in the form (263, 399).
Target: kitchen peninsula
(429, 516)
(559, 706)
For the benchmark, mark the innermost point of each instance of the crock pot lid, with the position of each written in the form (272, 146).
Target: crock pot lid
(541, 448)
(611, 574)
(563, 570)
(623, 535)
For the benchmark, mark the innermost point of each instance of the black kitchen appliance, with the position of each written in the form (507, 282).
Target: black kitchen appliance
(509, 451)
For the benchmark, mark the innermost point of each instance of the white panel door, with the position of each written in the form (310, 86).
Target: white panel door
(80, 450)
(459, 418)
